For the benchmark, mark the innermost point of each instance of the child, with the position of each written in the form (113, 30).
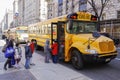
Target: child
(28, 55)
(32, 47)
(47, 50)
(54, 51)
(18, 54)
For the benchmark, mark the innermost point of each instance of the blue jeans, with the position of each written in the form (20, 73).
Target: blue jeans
(55, 58)
(47, 57)
(27, 63)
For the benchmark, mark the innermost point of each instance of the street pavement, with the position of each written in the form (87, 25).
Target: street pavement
(39, 71)
(59, 71)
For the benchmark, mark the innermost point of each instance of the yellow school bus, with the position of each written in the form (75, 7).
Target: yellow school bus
(19, 34)
(77, 37)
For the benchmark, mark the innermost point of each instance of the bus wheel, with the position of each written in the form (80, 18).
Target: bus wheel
(104, 62)
(76, 59)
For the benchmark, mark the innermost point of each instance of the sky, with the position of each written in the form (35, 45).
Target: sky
(5, 4)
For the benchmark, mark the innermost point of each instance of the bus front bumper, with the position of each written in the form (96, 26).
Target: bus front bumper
(99, 57)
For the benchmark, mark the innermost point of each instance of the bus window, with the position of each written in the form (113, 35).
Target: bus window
(54, 30)
(45, 28)
(49, 28)
(21, 31)
(79, 26)
(90, 27)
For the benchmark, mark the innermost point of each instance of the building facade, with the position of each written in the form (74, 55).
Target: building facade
(15, 14)
(32, 11)
(31, 14)
(43, 10)
(2, 26)
(7, 20)
(61, 7)
(110, 19)
(21, 10)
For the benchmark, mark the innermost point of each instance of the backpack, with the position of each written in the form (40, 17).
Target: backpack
(9, 52)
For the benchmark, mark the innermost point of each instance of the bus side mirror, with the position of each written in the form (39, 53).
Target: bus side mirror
(96, 34)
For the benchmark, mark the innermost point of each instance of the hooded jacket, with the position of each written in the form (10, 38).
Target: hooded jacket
(47, 49)
(55, 49)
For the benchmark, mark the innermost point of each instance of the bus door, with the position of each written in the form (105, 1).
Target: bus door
(58, 33)
(53, 32)
(61, 39)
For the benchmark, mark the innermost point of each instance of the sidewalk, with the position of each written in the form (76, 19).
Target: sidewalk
(40, 71)
(51, 71)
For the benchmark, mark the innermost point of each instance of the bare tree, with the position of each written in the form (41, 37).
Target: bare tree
(98, 7)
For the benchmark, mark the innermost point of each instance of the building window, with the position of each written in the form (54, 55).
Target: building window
(118, 14)
(82, 7)
(103, 16)
(60, 6)
(60, 1)
(118, 0)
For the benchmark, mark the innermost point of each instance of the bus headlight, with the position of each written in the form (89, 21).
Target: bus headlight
(92, 51)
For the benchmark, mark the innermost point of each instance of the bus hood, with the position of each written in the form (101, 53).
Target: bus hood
(101, 45)
(24, 35)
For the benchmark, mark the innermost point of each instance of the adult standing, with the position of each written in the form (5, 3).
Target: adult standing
(9, 44)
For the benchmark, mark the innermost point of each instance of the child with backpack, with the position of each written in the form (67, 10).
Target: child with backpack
(47, 50)
(18, 54)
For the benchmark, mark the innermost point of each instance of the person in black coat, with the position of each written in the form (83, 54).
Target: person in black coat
(9, 43)
(28, 55)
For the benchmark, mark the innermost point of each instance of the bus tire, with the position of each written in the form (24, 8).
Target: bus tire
(104, 62)
(77, 60)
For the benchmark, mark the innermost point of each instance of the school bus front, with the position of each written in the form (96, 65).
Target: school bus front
(84, 44)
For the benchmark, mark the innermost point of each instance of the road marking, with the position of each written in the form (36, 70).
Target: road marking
(117, 59)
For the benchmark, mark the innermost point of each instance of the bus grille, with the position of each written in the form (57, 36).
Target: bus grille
(106, 46)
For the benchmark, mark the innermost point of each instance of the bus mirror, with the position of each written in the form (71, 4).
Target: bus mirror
(96, 34)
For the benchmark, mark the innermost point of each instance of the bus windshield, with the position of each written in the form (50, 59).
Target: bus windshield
(21, 31)
(82, 27)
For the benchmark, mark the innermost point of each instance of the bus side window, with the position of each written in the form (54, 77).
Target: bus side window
(79, 29)
(49, 28)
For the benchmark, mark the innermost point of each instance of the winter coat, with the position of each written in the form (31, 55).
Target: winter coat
(47, 49)
(9, 43)
(28, 52)
(18, 51)
(32, 47)
(54, 49)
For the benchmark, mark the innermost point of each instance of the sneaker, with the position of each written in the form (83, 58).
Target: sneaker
(47, 62)
(10, 67)
(27, 67)
(32, 64)
(5, 68)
